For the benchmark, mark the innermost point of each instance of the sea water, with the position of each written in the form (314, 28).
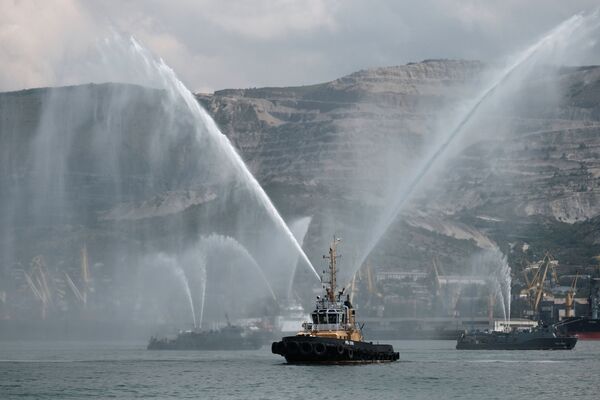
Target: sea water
(426, 370)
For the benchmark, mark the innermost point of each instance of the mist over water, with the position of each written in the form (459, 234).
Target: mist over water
(138, 171)
(225, 246)
(217, 276)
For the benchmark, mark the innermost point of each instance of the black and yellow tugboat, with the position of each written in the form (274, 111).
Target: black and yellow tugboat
(333, 336)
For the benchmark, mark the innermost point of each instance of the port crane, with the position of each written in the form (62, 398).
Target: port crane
(81, 293)
(38, 283)
(358, 278)
(570, 298)
(535, 285)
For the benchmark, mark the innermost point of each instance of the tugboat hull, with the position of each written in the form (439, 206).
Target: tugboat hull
(320, 350)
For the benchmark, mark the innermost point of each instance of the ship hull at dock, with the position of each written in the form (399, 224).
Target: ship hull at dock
(587, 335)
(488, 342)
(320, 350)
(583, 327)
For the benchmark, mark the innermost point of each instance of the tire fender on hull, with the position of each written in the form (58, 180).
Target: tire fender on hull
(279, 348)
(319, 349)
(306, 348)
(291, 347)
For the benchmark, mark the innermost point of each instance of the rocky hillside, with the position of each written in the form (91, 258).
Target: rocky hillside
(526, 171)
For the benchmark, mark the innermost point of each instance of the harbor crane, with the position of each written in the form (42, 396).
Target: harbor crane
(570, 298)
(535, 284)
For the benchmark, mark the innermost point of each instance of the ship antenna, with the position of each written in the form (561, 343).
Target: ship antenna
(332, 269)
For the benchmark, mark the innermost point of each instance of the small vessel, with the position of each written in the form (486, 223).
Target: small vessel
(537, 338)
(230, 337)
(333, 336)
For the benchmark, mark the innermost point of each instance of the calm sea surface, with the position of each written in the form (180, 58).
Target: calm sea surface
(427, 370)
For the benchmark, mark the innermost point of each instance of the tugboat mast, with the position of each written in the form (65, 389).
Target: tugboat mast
(332, 269)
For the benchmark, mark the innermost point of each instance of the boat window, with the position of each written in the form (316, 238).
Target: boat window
(332, 318)
(322, 317)
(315, 320)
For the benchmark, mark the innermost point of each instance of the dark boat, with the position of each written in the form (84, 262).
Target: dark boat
(538, 338)
(333, 336)
(230, 337)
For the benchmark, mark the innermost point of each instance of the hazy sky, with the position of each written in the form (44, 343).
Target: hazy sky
(216, 44)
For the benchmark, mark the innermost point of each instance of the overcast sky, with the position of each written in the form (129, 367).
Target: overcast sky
(216, 44)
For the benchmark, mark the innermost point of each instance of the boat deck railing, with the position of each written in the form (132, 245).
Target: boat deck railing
(309, 326)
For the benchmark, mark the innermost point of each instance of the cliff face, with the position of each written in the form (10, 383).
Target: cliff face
(277, 129)
(129, 175)
(526, 169)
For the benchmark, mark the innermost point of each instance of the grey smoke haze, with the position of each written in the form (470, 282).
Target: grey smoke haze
(216, 44)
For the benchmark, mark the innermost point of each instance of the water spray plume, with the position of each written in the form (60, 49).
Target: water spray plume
(215, 242)
(186, 285)
(203, 291)
(299, 228)
(492, 265)
(170, 263)
(562, 31)
(173, 84)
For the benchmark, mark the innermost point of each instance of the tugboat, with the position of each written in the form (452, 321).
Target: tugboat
(537, 338)
(230, 337)
(333, 336)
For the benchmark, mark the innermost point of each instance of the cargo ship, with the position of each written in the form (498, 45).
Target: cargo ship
(230, 337)
(585, 327)
(538, 338)
(333, 336)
